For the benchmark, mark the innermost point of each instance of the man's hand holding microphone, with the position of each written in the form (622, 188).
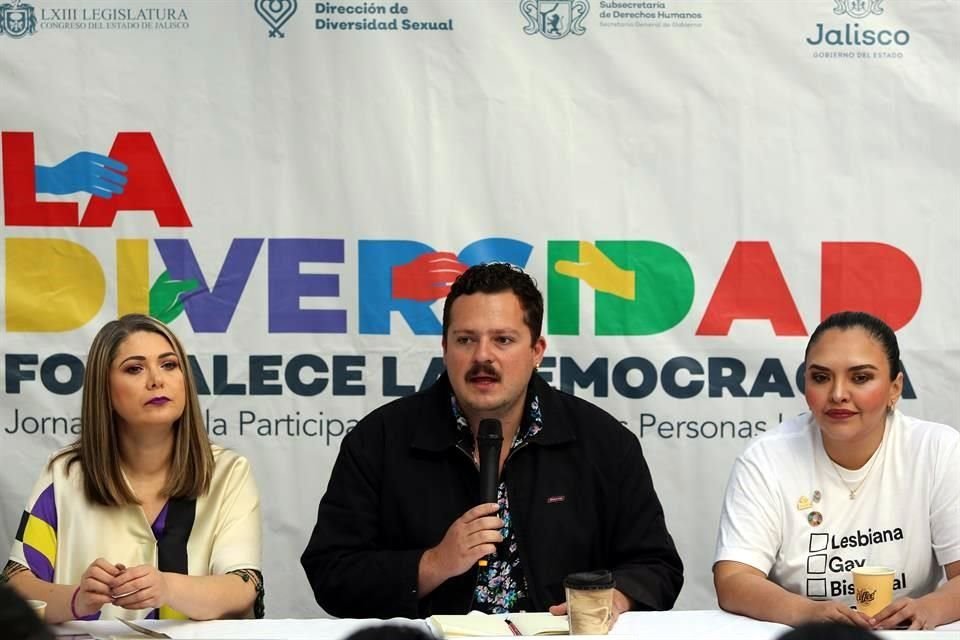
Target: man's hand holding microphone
(473, 536)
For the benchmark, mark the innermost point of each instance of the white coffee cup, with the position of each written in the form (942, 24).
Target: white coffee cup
(39, 608)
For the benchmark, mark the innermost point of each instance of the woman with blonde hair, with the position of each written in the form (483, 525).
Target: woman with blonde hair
(142, 517)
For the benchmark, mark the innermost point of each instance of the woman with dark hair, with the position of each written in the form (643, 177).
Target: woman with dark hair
(142, 516)
(851, 483)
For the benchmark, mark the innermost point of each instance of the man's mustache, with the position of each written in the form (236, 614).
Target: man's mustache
(483, 369)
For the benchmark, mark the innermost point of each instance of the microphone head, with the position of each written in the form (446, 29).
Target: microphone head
(489, 441)
(490, 430)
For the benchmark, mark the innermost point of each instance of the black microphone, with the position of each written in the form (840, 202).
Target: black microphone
(489, 439)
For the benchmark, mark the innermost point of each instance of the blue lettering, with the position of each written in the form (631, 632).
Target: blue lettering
(344, 372)
(726, 373)
(595, 374)
(286, 285)
(211, 311)
(668, 377)
(15, 374)
(48, 374)
(771, 379)
(294, 379)
(648, 377)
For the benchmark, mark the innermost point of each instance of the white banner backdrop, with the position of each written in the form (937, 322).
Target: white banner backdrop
(750, 166)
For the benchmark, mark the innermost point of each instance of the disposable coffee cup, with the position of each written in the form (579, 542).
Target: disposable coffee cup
(39, 608)
(589, 602)
(873, 587)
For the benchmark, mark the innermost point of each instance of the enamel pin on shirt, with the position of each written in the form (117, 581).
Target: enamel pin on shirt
(804, 503)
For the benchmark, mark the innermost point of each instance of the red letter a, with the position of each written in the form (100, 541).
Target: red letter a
(149, 186)
(751, 288)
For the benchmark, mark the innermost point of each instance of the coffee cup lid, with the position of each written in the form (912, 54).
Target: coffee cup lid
(602, 579)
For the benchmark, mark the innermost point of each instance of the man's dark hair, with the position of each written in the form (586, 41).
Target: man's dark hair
(389, 632)
(875, 328)
(497, 277)
(17, 619)
(828, 631)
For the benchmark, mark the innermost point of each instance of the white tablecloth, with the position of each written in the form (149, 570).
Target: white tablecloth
(666, 625)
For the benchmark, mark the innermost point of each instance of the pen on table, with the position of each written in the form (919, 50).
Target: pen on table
(513, 627)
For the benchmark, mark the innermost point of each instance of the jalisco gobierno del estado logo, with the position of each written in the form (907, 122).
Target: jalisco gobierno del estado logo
(275, 13)
(17, 19)
(851, 33)
(554, 19)
(857, 9)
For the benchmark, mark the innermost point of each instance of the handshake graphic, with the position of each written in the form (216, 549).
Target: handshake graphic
(428, 276)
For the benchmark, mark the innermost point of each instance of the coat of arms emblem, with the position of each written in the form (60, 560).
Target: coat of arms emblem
(857, 9)
(17, 19)
(554, 19)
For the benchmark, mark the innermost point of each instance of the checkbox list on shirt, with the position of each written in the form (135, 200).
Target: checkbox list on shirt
(818, 541)
(817, 563)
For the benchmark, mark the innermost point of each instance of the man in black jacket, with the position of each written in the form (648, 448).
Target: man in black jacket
(399, 531)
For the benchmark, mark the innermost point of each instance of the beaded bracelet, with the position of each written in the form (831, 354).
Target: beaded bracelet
(73, 603)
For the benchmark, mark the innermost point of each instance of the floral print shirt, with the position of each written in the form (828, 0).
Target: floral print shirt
(501, 587)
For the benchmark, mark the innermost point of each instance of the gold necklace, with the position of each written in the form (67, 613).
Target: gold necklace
(853, 490)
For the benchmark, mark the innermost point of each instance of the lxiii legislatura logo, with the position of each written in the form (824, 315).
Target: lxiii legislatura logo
(17, 19)
(851, 40)
(554, 19)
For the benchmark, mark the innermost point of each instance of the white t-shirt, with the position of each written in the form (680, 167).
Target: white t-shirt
(788, 513)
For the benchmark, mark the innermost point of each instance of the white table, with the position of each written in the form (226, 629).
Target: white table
(666, 625)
